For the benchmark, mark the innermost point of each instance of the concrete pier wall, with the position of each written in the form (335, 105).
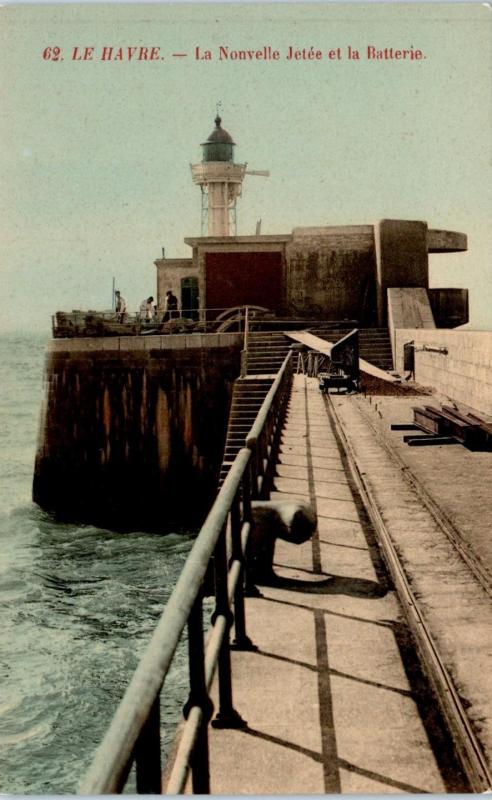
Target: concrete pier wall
(331, 273)
(133, 428)
(463, 374)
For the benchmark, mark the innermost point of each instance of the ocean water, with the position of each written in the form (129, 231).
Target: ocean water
(78, 606)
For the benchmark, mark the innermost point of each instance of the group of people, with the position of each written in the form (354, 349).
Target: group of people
(148, 309)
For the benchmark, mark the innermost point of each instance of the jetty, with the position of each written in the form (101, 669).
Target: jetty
(361, 665)
(311, 405)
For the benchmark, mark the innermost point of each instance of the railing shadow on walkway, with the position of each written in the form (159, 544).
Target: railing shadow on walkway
(418, 691)
(134, 735)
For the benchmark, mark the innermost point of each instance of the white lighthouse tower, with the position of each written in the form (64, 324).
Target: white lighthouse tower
(220, 180)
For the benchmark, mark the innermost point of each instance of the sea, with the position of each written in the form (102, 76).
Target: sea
(78, 607)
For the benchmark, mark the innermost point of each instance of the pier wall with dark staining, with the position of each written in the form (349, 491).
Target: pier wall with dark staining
(132, 436)
(331, 273)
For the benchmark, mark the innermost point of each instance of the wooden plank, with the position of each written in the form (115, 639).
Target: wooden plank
(455, 413)
(486, 426)
(426, 421)
(315, 343)
(423, 441)
(403, 426)
(465, 431)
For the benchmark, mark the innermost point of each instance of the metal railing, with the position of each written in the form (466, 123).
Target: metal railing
(244, 351)
(264, 435)
(134, 733)
(310, 363)
(111, 323)
(80, 323)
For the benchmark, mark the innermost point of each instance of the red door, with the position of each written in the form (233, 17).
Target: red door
(236, 279)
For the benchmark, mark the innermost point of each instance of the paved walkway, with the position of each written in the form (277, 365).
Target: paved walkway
(452, 475)
(334, 699)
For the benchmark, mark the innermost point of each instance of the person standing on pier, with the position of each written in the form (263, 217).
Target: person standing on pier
(120, 306)
(147, 309)
(171, 306)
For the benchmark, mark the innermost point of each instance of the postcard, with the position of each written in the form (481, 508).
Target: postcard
(199, 201)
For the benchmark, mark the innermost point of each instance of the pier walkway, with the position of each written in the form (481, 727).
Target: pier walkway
(334, 698)
(367, 675)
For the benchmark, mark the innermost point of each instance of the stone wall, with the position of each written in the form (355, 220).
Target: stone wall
(407, 308)
(463, 374)
(170, 272)
(133, 429)
(331, 273)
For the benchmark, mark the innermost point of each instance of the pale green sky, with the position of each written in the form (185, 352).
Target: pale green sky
(95, 156)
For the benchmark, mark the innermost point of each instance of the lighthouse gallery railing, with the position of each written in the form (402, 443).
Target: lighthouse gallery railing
(134, 733)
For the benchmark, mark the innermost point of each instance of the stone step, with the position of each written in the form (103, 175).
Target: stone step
(268, 345)
(383, 351)
(266, 337)
(266, 354)
(246, 397)
(252, 383)
(251, 395)
(265, 362)
(244, 419)
(254, 357)
(238, 429)
(243, 405)
(263, 370)
(242, 413)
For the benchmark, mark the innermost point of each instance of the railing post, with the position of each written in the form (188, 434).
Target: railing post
(246, 494)
(253, 472)
(199, 762)
(241, 639)
(227, 716)
(246, 328)
(310, 364)
(148, 753)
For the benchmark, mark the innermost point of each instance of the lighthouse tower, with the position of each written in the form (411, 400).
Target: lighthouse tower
(220, 180)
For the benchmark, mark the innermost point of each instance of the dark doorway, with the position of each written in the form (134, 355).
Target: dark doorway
(189, 297)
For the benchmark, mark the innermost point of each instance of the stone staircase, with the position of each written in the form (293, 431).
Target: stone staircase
(374, 343)
(266, 354)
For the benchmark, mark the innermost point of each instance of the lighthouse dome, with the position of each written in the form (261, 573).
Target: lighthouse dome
(219, 145)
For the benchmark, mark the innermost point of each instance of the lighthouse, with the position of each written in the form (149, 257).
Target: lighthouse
(220, 181)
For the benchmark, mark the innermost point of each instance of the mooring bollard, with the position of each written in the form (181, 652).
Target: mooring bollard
(292, 521)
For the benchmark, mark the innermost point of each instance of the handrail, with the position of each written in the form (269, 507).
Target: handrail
(265, 407)
(134, 733)
(246, 328)
(264, 435)
(244, 351)
(110, 763)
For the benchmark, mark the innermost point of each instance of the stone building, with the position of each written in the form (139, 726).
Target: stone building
(331, 273)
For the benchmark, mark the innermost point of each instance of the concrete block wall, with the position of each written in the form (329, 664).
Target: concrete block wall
(176, 341)
(331, 272)
(407, 308)
(464, 374)
(170, 272)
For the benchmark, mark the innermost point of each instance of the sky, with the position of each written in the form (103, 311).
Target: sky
(95, 155)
